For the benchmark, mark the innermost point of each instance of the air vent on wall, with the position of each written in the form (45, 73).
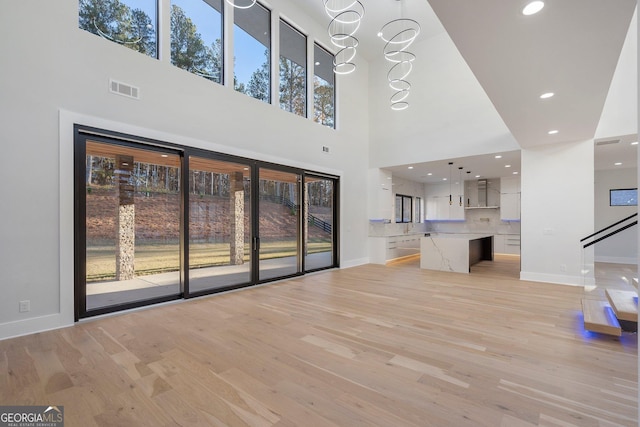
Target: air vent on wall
(124, 89)
(608, 142)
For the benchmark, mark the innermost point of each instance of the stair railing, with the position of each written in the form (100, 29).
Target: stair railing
(606, 236)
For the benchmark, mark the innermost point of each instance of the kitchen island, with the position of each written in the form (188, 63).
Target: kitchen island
(455, 252)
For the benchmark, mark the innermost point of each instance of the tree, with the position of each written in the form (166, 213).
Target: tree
(188, 51)
(115, 21)
(323, 102)
(142, 26)
(293, 88)
(259, 84)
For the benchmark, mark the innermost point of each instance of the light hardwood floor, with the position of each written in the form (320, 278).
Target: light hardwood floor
(366, 346)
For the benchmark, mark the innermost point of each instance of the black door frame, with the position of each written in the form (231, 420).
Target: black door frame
(84, 133)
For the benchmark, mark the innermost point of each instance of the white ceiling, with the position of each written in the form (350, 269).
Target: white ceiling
(570, 48)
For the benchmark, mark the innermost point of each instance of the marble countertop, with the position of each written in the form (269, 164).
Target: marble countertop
(459, 236)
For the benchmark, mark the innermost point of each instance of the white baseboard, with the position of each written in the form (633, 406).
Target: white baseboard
(354, 262)
(35, 324)
(557, 279)
(616, 260)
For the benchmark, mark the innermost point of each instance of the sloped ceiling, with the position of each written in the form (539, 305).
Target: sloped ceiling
(570, 48)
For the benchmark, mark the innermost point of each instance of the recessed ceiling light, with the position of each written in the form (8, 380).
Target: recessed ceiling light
(429, 174)
(410, 167)
(634, 143)
(507, 166)
(477, 176)
(388, 177)
(317, 62)
(546, 95)
(617, 164)
(444, 179)
(515, 173)
(533, 8)
(552, 132)
(498, 156)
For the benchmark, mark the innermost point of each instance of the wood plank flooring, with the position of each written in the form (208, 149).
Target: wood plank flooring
(366, 346)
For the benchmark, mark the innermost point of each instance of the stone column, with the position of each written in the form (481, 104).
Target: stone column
(236, 205)
(125, 226)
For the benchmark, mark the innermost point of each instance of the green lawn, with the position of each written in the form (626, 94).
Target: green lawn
(161, 258)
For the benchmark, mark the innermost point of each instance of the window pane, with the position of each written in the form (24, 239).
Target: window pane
(131, 23)
(132, 225)
(196, 37)
(319, 233)
(323, 88)
(406, 209)
(219, 224)
(623, 197)
(251, 41)
(279, 227)
(293, 70)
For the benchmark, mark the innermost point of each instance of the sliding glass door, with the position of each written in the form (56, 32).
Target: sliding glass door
(219, 224)
(131, 201)
(155, 222)
(279, 225)
(320, 211)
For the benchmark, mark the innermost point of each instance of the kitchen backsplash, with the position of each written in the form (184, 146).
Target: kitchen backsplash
(379, 229)
(477, 221)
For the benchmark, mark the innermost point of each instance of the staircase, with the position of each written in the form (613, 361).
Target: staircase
(612, 306)
(619, 312)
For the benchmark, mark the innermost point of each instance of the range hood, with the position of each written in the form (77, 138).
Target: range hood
(482, 193)
(482, 185)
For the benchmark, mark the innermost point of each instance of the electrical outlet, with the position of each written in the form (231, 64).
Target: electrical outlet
(24, 306)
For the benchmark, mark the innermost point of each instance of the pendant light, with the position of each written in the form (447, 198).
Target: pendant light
(346, 17)
(398, 35)
(460, 169)
(468, 200)
(450, 198)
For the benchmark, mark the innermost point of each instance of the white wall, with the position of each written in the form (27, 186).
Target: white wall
(620, 112)
(59, 74)
(449, 116)
(557, 211)
(623, 247)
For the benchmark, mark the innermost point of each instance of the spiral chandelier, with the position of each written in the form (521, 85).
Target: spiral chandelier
(346, 17)
(241, 4)
(398, 35)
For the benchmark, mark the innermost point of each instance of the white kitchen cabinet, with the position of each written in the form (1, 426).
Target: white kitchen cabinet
(381, 200)
(506, 244)
(510, 206)
(512, 244)
(385, 248)
(510, 199)
(439, 209)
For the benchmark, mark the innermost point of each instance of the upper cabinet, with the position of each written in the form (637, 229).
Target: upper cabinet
(381, 203)
(444, 202)
(510, 198)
